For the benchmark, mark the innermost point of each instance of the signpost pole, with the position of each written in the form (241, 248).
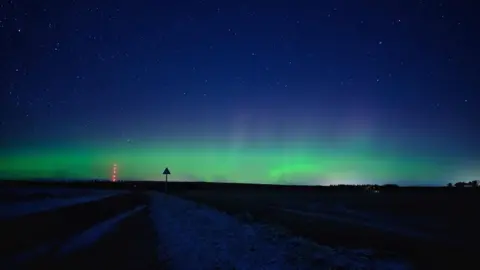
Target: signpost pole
(166, 172)
(166, 182)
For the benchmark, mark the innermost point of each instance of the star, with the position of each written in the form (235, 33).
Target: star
(124, 74)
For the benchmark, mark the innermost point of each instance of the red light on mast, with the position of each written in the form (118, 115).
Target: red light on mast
(114, 173)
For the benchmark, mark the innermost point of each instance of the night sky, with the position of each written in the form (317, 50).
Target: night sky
(288, 92)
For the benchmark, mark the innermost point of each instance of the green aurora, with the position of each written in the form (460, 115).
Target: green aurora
(301, 163)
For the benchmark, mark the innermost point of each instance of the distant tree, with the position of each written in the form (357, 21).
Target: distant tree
(460, 184)
(449, 185)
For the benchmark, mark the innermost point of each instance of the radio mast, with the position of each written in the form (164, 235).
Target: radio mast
(114, 173)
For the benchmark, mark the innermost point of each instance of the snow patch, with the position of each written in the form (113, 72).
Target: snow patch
(12, 210)
(198, 237)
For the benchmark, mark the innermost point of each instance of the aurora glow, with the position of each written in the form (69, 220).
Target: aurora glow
(233, 92)
(288, 165)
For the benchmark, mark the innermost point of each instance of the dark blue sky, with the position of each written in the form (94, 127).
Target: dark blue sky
(121, 70)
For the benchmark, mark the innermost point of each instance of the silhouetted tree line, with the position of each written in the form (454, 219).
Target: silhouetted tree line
(353, 186)
(366, 187)
(474, 184)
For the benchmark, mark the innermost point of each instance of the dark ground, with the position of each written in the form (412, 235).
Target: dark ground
(132, 244)
(450, 215)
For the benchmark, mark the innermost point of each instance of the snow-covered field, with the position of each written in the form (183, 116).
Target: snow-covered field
(198, 237)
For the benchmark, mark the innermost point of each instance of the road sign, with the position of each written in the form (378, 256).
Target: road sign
(166, 172)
